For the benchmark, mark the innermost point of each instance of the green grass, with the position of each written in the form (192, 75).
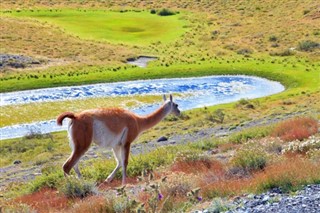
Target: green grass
(34, 150)
(291, 77)
(251, 133)
(97, 170)
(135, 28)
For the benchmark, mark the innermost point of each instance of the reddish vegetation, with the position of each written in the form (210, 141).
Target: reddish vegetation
(210, 177)
(197, 166)
(90, 204)
(292, 171)
(296, 129)
(45, 200)
(296, 169)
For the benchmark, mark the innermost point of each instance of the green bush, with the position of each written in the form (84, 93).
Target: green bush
(308, 45)
(251, 133)
(245, 103)
(216, 116)
(74, 187)
(273, 38)
(244, 51)
(166, 12)
(205, 144)
(250, 158)
(51, 180)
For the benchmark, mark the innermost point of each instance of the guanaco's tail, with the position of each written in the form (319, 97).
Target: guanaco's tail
(63, 116)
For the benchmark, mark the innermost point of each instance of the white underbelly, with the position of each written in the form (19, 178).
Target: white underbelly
(104, 137)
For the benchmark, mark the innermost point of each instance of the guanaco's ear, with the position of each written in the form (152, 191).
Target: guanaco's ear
(170, 98)
(164, 98)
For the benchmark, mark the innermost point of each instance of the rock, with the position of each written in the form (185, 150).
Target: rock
(162, 138)
(16, 162)
(17, 61)
(214, 151)
(265, 199)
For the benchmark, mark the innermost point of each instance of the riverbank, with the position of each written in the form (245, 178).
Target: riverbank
(306, 199)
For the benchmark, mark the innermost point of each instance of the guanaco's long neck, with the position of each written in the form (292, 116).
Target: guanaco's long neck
(148, 121)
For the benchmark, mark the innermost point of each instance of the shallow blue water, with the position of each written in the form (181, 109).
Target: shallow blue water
(196, 92)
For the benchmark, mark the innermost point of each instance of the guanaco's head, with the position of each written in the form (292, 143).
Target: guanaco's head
(174, 107)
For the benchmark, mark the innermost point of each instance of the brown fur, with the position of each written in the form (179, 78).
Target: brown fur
(116, 120)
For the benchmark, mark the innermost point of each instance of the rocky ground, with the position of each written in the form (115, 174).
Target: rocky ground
(17, 61)
(306, 200)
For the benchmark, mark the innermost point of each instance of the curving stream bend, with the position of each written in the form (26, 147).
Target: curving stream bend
(195, 92)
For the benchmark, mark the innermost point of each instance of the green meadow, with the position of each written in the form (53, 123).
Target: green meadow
(126, 27)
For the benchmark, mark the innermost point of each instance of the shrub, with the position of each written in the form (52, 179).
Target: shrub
(219, 205)
(305, 12)
(74, 188)
(216, 116)
(296, 129)
(205, 144)
(251, 133)
(287, 52)
(250, 158)
(195, 165)
(153, 11)
(245, 103)
(166, 12)
(244, 51)
(150, 161)
(308, 45)
(93, 204)
(273, 38)
(50, 180)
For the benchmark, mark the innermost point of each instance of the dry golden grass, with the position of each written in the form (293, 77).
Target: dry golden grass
(38, 39)
(216, 29)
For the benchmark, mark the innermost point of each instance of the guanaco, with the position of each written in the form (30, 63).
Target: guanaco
(114, 128)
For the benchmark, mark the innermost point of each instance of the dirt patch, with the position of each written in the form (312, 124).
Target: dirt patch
(141, 61)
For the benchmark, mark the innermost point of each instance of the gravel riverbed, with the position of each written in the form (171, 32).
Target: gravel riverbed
(306, 200)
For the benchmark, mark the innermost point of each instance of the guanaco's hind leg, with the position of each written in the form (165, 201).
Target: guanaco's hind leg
(81, 137)
(71, 162)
